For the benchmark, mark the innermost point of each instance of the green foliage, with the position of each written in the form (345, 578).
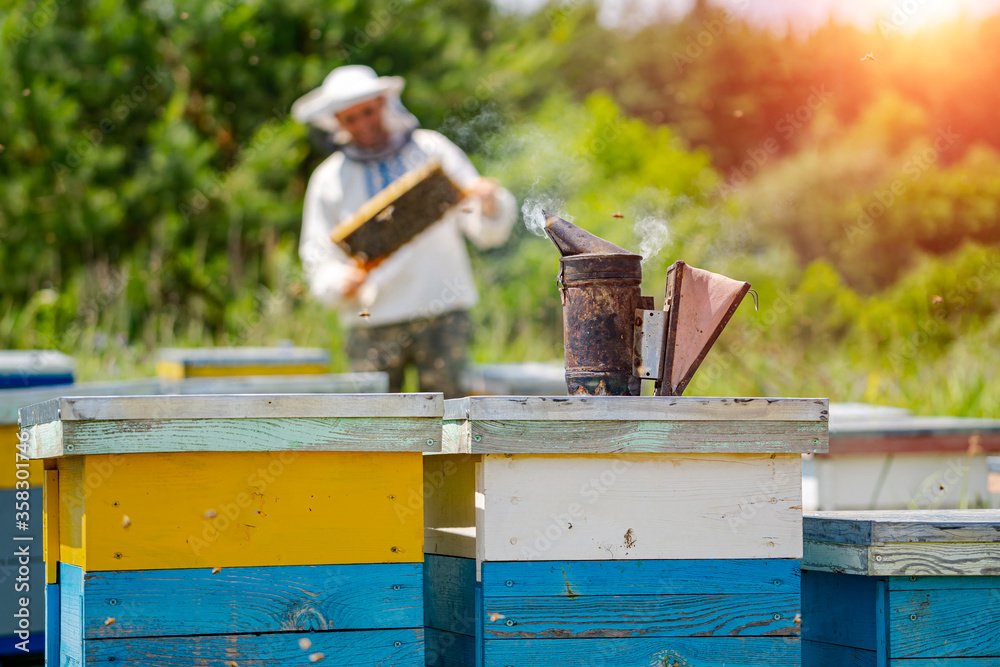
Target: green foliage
(871, 204)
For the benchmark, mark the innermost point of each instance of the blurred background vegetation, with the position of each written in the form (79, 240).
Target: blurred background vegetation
(151, 179)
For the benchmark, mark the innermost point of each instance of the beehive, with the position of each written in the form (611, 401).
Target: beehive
(621, 530)
(34, 368)
(176, 363)
(21, 515)
(884, 458)
(905, 588)
(206, 529)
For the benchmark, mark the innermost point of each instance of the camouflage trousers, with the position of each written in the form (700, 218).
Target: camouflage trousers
(438, 347)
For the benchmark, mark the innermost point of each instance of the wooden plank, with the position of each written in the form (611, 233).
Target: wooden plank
(74, 487)
(242, 600)
(52, 609)
(233, 406)
(8, 469)
(594, 616)
(449, 497)
(480, 645)
(238, 435)
(636, 408)
(70, 616)
(942, 526)
(449, 594)
(911, 583)
(639, 507)
(455, 437)
(220, 509)
(818, 654)
(456, 542)
(641, 577)
(972, 559)
(839, 558)
(945, 623)
(357, 648)
(832, 527)
(883, 640)
(50, 545)
(652, 651)
(210, 371)
(951, 662)
(838, 609)
(449, 649)
(652, 437)
(43, 440)
(880, 527)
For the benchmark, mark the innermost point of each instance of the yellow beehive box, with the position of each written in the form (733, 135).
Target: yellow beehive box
(176, 363)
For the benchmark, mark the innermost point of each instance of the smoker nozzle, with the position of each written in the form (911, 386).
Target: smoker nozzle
(572, 240)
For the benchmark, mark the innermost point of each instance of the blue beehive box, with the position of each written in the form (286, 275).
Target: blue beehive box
(616, 531)
(913, 588)
(34, 368)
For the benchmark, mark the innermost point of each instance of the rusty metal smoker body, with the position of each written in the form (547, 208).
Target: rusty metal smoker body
(600, 287)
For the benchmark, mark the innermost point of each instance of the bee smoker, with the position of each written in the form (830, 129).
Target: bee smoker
(599, 283)
(614, 337)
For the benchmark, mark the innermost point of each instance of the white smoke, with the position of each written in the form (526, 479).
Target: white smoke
(653, 233)
(533, 211)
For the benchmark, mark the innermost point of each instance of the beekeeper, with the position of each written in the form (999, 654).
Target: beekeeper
(413, 307)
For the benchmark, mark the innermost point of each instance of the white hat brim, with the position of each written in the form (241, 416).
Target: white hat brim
(324, 102)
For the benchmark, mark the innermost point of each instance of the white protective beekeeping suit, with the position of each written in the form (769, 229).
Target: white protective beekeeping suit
(429, 276)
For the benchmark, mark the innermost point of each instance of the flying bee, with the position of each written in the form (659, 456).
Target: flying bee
(618, 215)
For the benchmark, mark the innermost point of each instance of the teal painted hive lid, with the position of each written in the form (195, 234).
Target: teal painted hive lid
(903, 542)
(34, 368)
(634, 425)
(90, 425)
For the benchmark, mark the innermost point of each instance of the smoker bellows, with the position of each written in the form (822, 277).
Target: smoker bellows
(613, 335)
